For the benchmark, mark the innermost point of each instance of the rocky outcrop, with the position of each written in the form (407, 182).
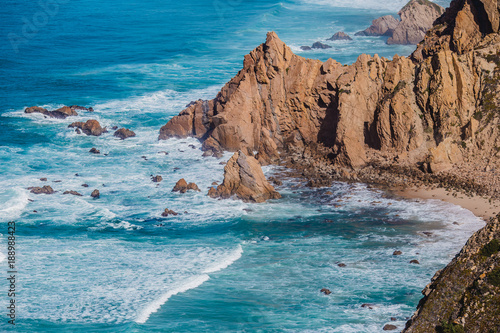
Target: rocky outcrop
(60, 113)
(182, 186)
(465, 295)
(90, 127)
(156, 179)
(243, 178)
(319, 45)
(383, 26)
(72, 193)
(41, 190)
(95, 194)
(356, 122)
(340, 36)
(416, 18)
(167, 212)
(124, 133)
(94, 150)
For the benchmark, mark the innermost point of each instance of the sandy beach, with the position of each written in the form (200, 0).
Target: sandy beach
(481, 206)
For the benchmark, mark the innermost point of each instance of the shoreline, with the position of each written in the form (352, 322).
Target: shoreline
(482, 207)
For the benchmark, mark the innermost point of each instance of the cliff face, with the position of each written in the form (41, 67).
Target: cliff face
(415, 111)
(464, 296)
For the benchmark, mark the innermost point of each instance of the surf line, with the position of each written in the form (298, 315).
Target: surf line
(191, 283)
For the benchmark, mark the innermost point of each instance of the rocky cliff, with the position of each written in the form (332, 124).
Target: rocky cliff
(464, 296)
(434, 112)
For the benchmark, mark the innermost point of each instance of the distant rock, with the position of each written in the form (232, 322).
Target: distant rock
(417, 16)
(168, 212)
(85, 185)
(41, 190)
(182, 186)
(389, 327)
(340, 36)
(326, 291)
(90, 127)
(95, 194)
(306, 48)
(157, 178)
(243, 178)
(414, 261)
(193, 186)
(60, 113)
(73, 193)
(319, 45)
(94, 151)
(124, 133)
(81, 108)
(341, 264)
(383, 26)
(368, 305)
(43, 179)
(397, 253)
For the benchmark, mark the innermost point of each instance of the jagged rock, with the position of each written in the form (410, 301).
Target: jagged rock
(416, 18)
(124, 133)
(383, 26)
(41, 190)
(73, 193)
(243, 178)
(94, 151)
(325, 291)
(340, 36)
(319, 45)
(168, 212)
(90, 127)
(95, 194)
(60, 113)
(157, 179)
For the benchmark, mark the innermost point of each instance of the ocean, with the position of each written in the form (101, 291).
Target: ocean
(114, 264)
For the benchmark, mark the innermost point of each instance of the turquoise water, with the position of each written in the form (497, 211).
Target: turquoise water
(114, 264)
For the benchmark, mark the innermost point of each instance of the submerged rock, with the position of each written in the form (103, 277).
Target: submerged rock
(326, 291)
(243, 178)
(73, 193)
(397, 253)
(157, 179)
(94, 151)
(305, 48)
(60, 113)
(124, 133)
(319, 45)
(389, 327)
(168, 212)
(41, 190)
(340, 36)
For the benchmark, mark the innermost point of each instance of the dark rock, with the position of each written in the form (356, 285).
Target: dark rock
(340, 36)
(325, 291)
(342, 265)
(389, 327)
(85, 185)
(114, 128)
(168, 212)
(81, 108)
(43, 179)
(41, 190)
(414, 261)
(73, 193)
(193, 186)
(94, 151)
(77, 130)
(305, 48)
(397, 253)
(163, 152)
(157, 179)
(368, 305)
(180, 186)
(124, 133)
(319, 45)
(95, 194)
(60, 113)
(36, 109)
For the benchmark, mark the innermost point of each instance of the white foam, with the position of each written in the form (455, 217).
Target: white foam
(13, 208)
(156, 304)
(392, 5)
(225, 262)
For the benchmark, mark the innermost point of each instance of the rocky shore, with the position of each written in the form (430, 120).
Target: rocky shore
(430, 119)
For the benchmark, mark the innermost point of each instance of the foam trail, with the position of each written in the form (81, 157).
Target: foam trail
(13, 208)
(191, 284)
(155, 305)
(235, 255)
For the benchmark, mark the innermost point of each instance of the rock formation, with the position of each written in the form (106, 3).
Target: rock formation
(182, 186)
(157, 178)
(465, 295)
(72, 193)
(319, 45)
(41, 190)
(243, 178)
(95, 194)
(124, 133)
(60, 113)
(168, 212)
(90, 127)
(383, 26)
(369, 119)
(416, 18)
(340, 36)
